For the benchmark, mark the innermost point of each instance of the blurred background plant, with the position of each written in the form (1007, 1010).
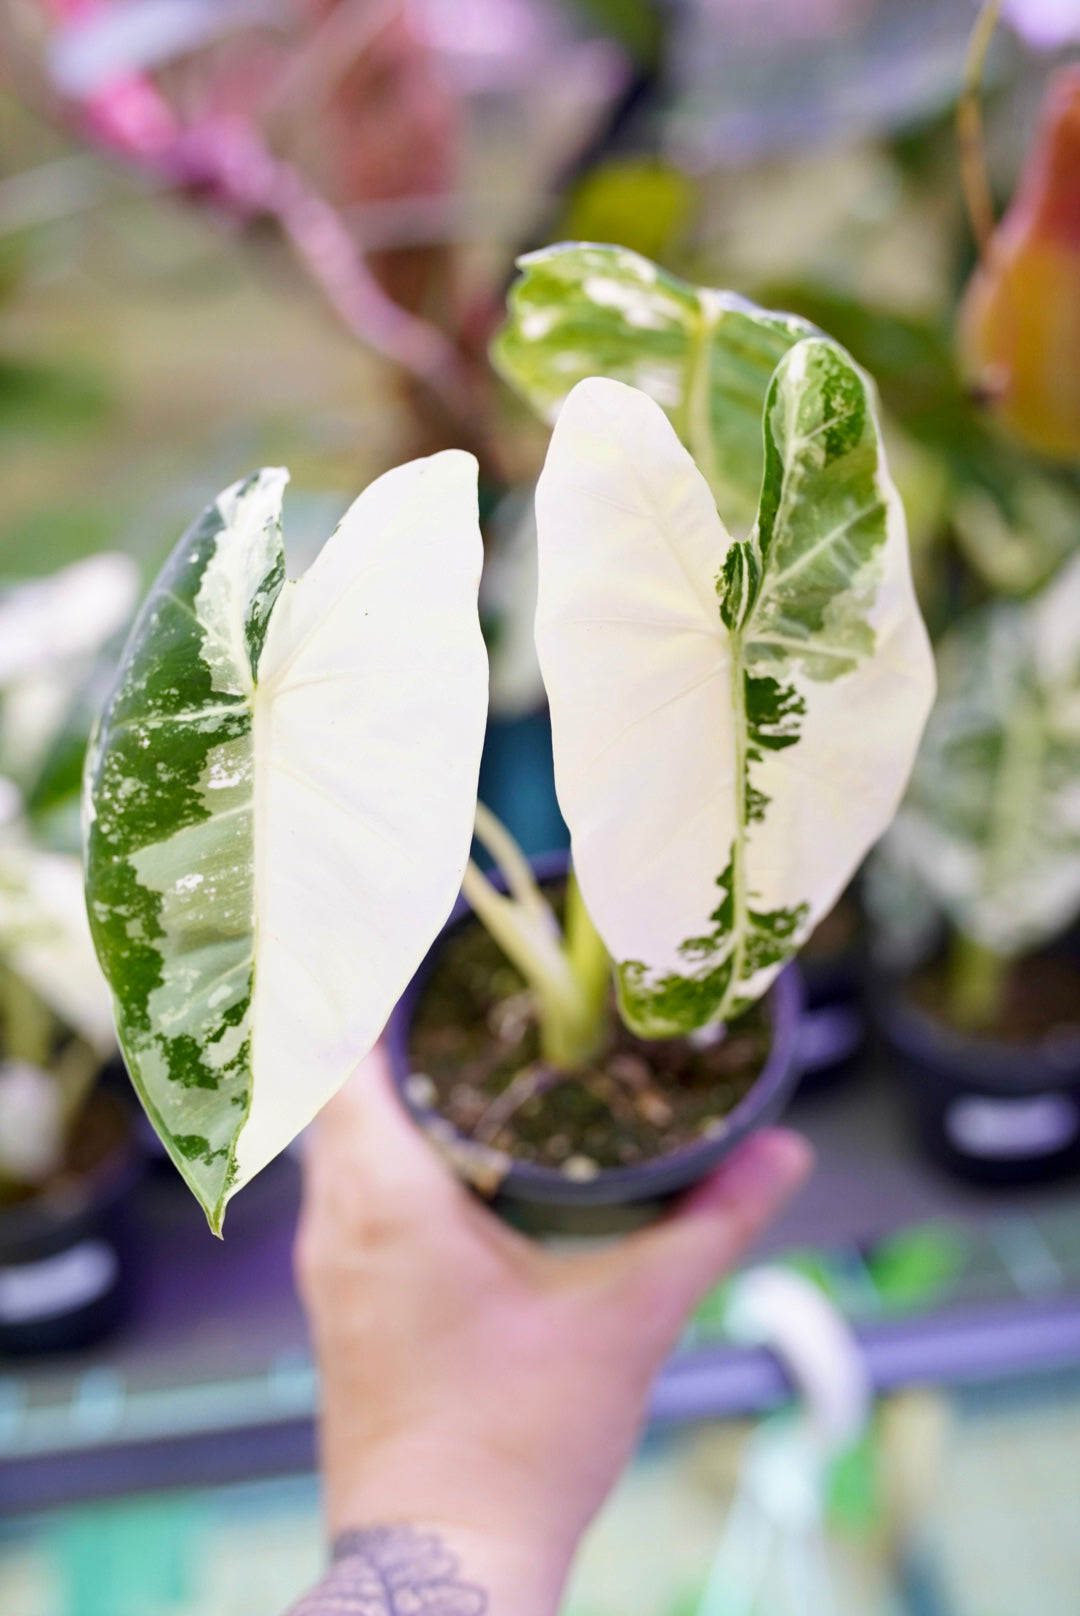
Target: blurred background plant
(58, 636)
(988, 840)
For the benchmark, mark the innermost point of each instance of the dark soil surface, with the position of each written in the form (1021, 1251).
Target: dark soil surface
(1040, 999)
(476, 1052)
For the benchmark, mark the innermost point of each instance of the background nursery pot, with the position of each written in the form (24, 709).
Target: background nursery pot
(66, 1252)
(994, 1112)
(545, 1200)
(833, 1029)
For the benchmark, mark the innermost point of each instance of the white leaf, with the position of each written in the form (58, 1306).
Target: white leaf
(369, 723)
(665, 777)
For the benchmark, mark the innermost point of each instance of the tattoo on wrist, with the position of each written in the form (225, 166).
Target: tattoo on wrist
(392, 1571)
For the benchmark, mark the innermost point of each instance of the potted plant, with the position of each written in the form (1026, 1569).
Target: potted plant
(584, 309)
(987, 1023)
(281, 794)
(67, 1156)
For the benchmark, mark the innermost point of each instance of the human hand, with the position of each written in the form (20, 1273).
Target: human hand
(474, 1382)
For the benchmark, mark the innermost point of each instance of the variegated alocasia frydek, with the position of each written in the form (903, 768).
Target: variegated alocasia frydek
(734, 720)
(990, 829)
(279, 805)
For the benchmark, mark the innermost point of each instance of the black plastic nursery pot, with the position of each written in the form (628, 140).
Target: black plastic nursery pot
(835, 1023)
(547, 1201)
(66, 1257)
(990, 1111)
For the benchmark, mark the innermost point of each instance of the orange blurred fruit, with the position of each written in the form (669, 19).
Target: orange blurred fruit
(1019, 325)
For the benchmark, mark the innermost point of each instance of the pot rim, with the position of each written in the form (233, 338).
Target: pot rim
(1015, 1068)
(642, 1181)
(46, 1211)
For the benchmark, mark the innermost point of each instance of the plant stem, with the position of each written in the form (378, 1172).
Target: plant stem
(27, 1023)
(569, 1033)
(570, 977)
(975, 980)
(511, 862)
(739, 905)
(969, 128)
(76, 1069)
(589, 959)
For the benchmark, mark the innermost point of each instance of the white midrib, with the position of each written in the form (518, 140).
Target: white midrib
(1015, 801)
(698, 430)
(261, 721)
(739, 895)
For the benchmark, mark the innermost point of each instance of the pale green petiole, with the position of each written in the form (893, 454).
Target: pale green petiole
(976, 981)
(570, 975)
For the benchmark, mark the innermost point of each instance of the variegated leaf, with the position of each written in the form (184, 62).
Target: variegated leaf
(734, 720)
(279, 805)
(707, 357)
(991, 824)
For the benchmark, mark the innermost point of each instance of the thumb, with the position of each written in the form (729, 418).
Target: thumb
(666, 1269)
(364, 1147)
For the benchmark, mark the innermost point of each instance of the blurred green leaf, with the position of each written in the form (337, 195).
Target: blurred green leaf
(1017, 539)
(855, 1501)
(637, 25)
(918, 1267)
(36, 399)
(51, 536)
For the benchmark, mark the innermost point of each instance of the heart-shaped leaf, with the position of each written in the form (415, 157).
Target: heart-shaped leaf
(280, 801)
(734, 720)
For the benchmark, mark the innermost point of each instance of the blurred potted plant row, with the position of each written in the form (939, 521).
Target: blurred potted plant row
(67, 1153)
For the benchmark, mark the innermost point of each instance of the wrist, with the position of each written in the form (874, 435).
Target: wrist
(492, 1512)
(467, 1572)
(396, 1568)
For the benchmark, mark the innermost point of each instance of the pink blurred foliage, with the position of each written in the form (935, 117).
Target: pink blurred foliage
(127, 116)
(221, 157)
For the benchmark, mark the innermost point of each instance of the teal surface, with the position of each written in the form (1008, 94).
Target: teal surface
(984, 1523)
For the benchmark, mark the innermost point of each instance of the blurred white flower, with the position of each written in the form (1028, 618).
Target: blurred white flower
(1044, 24)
